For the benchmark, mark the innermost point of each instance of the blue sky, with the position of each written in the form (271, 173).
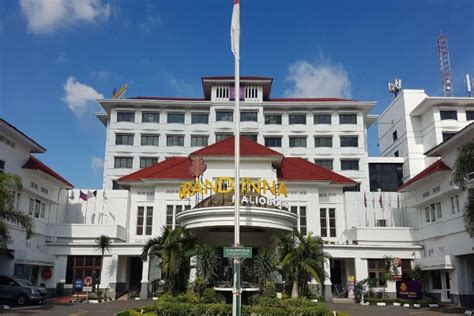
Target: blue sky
(57, 57)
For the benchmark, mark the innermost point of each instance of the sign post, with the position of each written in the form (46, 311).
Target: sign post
(78, 288)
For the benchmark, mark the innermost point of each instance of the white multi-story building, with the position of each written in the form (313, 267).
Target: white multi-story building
(414, 123)
(144, 130)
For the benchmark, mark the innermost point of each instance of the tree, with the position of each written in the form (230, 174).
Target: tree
(174, 247)
(463, 166)
(387, 271)
(103, 244)
(302, 259)
(208, 262)
(264, 265)
(9, 183)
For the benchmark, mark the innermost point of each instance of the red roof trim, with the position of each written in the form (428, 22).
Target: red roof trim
(226, 148)
(166, 98)
(295, 168)
(438, 166)
(309, 100)
(34, 164)
(171, 168)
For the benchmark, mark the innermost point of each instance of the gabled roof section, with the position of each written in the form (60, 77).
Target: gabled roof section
(265, 82)
(171, 168)
(248, 148)
(437, 166)
(34, 164)
(464, 135)
(299, 169)
(35, 147)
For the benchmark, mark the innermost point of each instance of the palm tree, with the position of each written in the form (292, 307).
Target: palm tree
(174, 247)
(9, 183)
(464, 166)
(265, 264)
(388, 272)
(103, 244)
(208, 262)
(302, 259)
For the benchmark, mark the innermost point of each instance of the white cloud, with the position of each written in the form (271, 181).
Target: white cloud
(181, 86)
(322, 78)
(97, 164)
(80, 97)
(47, 16)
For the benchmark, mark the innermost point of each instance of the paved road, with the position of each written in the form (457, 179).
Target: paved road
(109, 308)
(359, 310)
(102, 309)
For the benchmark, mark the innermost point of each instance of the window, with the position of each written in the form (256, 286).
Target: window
(123, 162)
(150, 117)
(327, 219)
(37, 208)
(140, 219)
(144, 220)
(406, 268)
(150, 140)
(352, 164)
(470, 115)
(347, 118)
(385, 176)
(349, 141)
(448, 135)
(302, 218)
(174, 140)
(452, 205)
(169, 215)
(433, 212)
(322, 119)
(427, 214)
(457, 204)
(199, 141)
(323, 141)
(125, 116)
(2, 166)
(396, 154)
(448, 115)
(325, 163)
(31, 207)
(149, 220)
(147, 161)
(79, 267)
(176, 118)
(436, 279)
(220, 137)
(248, 116)
(297, 141)
(376, 270)
(43, 210)
(381, 223)
(199, 118)
(123, 139)
(297, 119)
(273, 141)
(226, 116)
(439, 212)
(273, 119)
(394, 135)
(252, 137)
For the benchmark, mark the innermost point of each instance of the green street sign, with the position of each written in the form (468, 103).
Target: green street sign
(238, 252)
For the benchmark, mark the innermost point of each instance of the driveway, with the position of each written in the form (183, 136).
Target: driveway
(359, 310)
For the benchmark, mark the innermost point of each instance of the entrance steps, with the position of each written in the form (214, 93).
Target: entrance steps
(123, 297)
(342, 300)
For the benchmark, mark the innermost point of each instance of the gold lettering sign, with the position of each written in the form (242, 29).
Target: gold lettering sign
(226, 185)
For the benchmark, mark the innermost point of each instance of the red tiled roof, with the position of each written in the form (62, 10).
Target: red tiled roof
(308, 100)
(295, 168)
(34, 164)
(171, 168)
(433, 168)
(226, 148)
(166, 98)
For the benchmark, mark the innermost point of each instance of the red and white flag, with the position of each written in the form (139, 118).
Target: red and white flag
(365, 200)
(235, 29)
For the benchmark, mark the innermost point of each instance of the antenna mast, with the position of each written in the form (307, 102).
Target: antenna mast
(445, 65)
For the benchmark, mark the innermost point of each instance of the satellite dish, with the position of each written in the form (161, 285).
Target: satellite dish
(395, 86)
(120, 92)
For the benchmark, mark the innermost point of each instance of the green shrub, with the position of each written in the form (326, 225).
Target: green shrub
(209, 296)
(269, 289)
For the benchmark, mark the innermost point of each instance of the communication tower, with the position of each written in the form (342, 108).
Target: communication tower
(445, 65)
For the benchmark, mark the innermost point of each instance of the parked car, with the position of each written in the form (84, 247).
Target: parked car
(20, 291)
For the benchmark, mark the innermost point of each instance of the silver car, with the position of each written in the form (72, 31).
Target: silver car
(20, 291)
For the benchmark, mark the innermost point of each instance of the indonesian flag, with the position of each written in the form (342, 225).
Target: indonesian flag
(83, 196)
(235, 29)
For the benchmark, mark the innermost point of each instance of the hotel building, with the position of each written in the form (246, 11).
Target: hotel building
(315, 149)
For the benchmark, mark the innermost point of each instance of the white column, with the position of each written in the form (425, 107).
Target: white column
(361, 269)
(145, 280)
(327, 281)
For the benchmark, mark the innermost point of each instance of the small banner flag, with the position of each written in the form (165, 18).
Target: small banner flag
(95, 193)
(365, 200)
(380, 200)
(83, 196)
(235, 29)
(90, 195)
